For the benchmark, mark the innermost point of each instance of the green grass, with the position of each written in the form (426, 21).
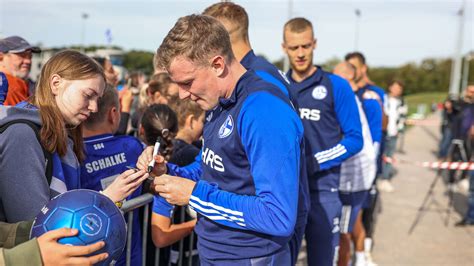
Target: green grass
(427, 98)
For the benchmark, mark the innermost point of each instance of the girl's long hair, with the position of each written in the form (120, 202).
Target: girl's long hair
(70, 65)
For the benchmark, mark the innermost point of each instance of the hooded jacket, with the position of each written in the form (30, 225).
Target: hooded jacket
(24, 189)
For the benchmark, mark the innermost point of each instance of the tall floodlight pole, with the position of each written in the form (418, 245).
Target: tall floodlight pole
(357, 26)
(457, 58)
(465, 70)
(84, 17)
(286, 61)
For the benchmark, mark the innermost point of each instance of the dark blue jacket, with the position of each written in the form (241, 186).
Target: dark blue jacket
(247, 190)
(332, 127)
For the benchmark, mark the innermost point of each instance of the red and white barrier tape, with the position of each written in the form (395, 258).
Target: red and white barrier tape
(449, 165)
(435, 165)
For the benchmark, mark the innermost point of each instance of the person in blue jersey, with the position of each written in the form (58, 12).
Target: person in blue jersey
(357, 176)
(330, 116)
(357, 59)
(107, 156)
(3, 87)
(366, 89)
(236, 21)
(245, 186)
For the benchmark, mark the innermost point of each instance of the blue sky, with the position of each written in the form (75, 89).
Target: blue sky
(392, 32)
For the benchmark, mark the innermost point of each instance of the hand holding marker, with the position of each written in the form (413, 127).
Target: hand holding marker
(156, 149)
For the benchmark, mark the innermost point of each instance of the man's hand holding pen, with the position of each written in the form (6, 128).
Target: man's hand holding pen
(176, 190)
(146, 157)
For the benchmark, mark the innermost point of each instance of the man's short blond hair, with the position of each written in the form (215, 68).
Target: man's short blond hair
(197, 38)
(297, 25)
(234, 14)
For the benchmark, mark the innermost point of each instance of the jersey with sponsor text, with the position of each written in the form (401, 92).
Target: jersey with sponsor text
(246, 196)
(332, 127)
(107, 156)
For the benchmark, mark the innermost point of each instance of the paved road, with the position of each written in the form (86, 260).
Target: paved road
(433, 239)
(404, 235)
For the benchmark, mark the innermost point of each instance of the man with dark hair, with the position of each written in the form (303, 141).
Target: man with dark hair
(369, 93)
(107, 156)
(357, 59)
(358, 172)
(235, 20)
(331, 120)
(247, 207)
(15, 66)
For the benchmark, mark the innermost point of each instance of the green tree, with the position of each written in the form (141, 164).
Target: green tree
(139, 61)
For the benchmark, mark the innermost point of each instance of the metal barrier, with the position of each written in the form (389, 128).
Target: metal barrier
(143, 201)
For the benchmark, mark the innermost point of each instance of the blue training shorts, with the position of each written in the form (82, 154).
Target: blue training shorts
(351, 204)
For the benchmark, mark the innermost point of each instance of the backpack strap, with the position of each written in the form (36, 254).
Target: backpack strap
(47, 155)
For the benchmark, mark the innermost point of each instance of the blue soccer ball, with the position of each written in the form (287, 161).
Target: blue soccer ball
(94, 215)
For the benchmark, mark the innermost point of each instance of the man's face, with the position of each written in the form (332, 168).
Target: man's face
(360, 68)
(299, 48)
(17, 64)
(195, 82)
(469, 94)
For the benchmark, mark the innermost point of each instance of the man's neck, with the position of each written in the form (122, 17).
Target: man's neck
(86, 133)
(354, 86)
(300, 76)
(240, 49)
(363, 82)
(236, 71)
(4, 70)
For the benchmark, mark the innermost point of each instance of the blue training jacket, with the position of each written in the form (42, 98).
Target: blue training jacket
(373, 111)
(383, 96)
(247, 195)
(332, 127)
(107, 156)
(268, 72)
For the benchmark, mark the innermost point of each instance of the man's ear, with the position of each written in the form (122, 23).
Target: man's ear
(283, 46)
(190, 121)
(1, 56)
(55, 83)
(218, 64)
(111, 115)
